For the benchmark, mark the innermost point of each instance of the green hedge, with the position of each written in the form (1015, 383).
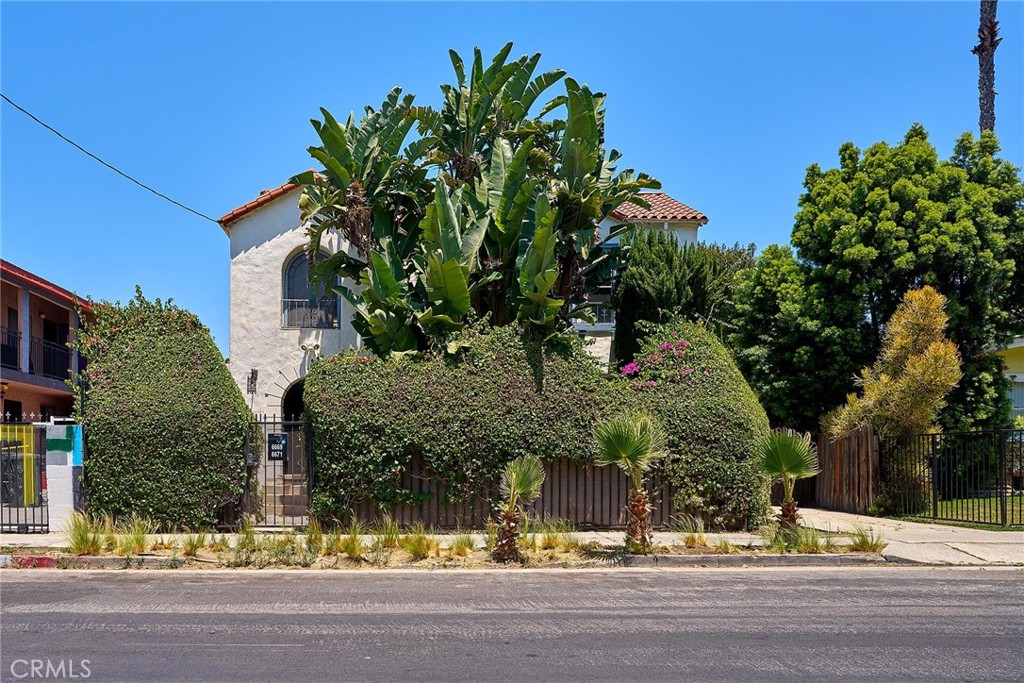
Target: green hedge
(462, 419)
(712, 421)
(164, 421)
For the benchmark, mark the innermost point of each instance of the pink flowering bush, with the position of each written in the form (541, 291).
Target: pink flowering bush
(685, 377)
(667, 363)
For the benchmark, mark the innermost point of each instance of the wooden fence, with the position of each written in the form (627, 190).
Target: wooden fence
(589, 497)
(848, 480)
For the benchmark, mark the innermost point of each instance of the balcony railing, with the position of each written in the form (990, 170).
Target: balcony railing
(49, 359)
(10, 348)
(320, 314)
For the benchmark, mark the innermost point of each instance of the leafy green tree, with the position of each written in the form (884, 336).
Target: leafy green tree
(492, 211)
(888, 220)
(663, 280)
(780, 347)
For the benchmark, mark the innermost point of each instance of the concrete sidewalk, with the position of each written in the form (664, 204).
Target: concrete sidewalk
(927, 543)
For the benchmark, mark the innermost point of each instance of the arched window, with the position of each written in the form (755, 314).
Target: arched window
(301, 305)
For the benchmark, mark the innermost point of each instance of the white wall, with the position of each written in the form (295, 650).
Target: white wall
(261, 245)
(685, 232)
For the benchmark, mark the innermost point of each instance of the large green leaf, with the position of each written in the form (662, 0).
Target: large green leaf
(446, 285)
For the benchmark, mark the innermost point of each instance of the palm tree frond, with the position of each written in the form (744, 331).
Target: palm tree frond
(787, 454)
(631, 441)
(522, 480)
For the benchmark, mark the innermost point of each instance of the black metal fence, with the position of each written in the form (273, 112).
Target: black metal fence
(975, 477)
(280, 465)
(23, 504)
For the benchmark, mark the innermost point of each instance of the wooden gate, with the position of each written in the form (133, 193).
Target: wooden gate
(848, 480)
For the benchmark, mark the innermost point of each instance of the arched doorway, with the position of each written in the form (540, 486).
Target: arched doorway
(292, 404)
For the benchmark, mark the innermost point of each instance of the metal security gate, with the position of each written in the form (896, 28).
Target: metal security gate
(23, 505)
(975, 477)
(279, 456)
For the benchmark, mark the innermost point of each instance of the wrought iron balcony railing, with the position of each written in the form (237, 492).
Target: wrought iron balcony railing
(320, 314)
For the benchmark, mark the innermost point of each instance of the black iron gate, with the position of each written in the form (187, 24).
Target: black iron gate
(975, 477)
(280, 464)
(23, 504)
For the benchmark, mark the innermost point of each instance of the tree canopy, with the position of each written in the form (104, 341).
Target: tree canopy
(888, 220)
(492, 209)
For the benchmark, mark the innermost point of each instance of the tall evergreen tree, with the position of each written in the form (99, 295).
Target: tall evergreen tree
(664, 280)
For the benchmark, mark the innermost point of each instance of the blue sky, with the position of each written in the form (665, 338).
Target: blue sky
(726, 103)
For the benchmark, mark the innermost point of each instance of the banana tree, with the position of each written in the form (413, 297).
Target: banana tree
(506, 229)
(451, 237)
(366, 190)
(492, 102)
(587, 189)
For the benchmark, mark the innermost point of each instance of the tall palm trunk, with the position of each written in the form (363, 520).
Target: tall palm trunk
(988, 41)
(638, 528)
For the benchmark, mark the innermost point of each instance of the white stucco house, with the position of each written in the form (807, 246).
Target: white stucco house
(279, 325)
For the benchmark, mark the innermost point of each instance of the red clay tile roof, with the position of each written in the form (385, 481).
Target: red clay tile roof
(663, 208)
(266, 196)
(9, 270)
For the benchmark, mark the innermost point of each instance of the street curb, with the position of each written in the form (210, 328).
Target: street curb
(87, 562)
(735, 560)
(750, 560)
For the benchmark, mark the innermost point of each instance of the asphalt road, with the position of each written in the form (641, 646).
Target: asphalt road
(591, 625)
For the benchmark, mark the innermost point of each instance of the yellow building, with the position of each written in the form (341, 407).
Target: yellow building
(1013, 368)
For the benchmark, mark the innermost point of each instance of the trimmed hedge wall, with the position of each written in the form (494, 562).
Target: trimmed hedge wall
(164, 421)
(461, 419)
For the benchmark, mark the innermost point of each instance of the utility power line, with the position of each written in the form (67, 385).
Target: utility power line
(113, 168)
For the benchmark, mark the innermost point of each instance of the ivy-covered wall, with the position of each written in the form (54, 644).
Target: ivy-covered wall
(461, 419)
(164, 421)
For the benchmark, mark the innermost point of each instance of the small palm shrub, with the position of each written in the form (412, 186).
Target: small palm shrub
(788, 456)
(84, 535)
(633, 442)
(520, 485)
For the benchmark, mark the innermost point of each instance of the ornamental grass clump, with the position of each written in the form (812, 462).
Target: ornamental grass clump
(84, 535)
(633, 442)
(192, 544)
(520, 485)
